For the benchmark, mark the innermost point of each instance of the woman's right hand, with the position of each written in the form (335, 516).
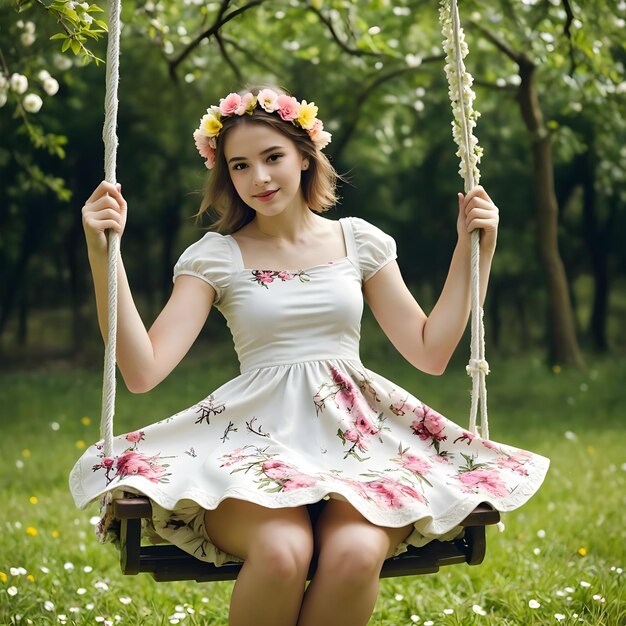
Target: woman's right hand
(105, 209)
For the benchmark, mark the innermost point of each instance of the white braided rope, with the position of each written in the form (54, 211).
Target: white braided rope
(109, 136)
(477, 368)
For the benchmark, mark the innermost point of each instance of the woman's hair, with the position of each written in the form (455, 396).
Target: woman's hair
(318, 182)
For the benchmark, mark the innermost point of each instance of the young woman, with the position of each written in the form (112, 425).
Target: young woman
(307, 453)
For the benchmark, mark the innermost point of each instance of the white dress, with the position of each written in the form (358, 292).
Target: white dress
(305, 420)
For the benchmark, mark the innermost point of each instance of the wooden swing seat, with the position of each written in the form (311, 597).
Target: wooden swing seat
(166, 562)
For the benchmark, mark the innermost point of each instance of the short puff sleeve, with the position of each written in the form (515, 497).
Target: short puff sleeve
(374, 247)
(210, 259)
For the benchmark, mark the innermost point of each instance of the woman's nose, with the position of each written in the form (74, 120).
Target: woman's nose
(261, 175)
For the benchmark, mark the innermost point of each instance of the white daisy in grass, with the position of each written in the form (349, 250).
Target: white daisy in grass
(81, 591)
(62, 618)
(598, 598)
(429, 623)
(559, 617)
(74, 609)
(87, 569)
(479, 610)
(585, 584)
(18, 571)
(101, 585)
(448, 611)
(399, 597)
(536, 551)
(533, 604)
(12, 591)
(569, 589)
(415, 619)
(44, 569)
(541, 533)
(68, 567)
(94, 520)
(90, 606)
(125, 600)
(48, 605)
(55, 425)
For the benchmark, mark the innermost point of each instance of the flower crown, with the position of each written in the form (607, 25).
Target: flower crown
(300, 114)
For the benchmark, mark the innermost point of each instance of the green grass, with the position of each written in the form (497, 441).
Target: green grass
(564, 549)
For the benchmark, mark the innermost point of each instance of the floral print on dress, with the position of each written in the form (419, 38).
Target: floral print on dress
(480, 478)
(207, 407)
(364, 422)
(273, 475)
(428, 424)
(133, 463)
(384, 492)
(266, 277)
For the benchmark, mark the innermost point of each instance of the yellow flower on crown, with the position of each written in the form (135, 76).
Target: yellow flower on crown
(210, 124)
(306, 114)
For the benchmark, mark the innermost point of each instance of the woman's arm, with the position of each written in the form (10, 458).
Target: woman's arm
(428, 342)
(144, 357)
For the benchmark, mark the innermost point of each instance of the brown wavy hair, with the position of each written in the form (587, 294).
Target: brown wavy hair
(318, 182)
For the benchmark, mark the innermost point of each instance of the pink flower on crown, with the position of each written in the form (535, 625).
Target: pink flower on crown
(268, 100)
(230, 104)
(318, 135)
(248, 102)
(288, 107)
(205, 146)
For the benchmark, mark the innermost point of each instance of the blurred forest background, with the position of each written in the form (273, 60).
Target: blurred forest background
(551, 87)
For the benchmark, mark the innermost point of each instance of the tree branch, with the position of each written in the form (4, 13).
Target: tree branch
(519, 57)
(567, 29)
(227, 58)
(361, 98)
(220, 20)
(342, 44)
(250, 57)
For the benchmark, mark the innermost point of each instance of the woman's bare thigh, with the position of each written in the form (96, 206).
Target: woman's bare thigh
(236, 525)
(339, 519)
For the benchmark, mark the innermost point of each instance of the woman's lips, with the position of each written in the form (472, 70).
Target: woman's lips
(266, 197)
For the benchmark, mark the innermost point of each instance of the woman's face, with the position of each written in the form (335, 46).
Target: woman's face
(265, 167)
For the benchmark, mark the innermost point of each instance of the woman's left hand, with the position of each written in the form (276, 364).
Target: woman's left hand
(477, 210)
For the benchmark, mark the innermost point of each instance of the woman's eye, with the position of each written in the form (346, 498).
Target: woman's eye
(275, 157)
(239, 166)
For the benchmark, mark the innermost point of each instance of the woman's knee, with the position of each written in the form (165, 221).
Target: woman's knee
(354, 564)
(285, 555)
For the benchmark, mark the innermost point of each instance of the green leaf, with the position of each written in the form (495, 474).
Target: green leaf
(66, 44)
(58, 36)
(75, 46)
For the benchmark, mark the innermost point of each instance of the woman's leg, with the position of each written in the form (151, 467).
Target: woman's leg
(276, 545)
(351, 551)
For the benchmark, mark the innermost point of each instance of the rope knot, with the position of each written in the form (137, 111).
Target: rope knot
(477, 365)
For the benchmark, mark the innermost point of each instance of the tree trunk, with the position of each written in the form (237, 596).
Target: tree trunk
(596, 240)
(563, 345)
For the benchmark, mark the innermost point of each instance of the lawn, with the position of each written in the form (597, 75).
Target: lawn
(558, 561)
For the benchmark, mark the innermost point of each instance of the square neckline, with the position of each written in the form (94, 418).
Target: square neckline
(349, 243)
